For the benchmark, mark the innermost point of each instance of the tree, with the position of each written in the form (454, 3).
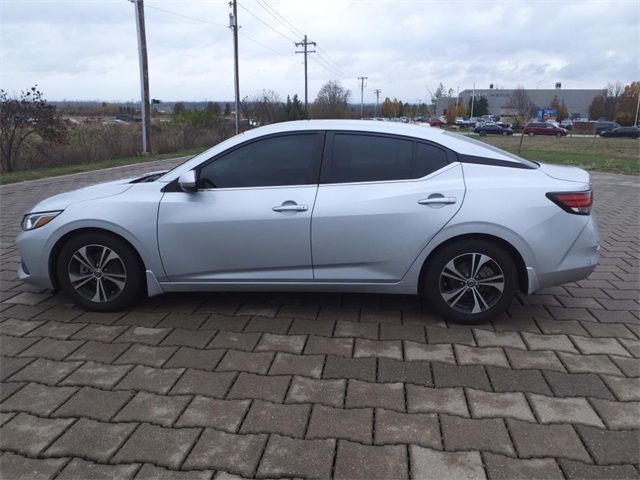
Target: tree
(625, 112)
(179, 107)
(521, 105)
(598, 107)
(332, 101)
(480, 106)
(437, 95)
(560, 108)
(264, 108)
(213, 107)
(294, 109)
(24, 121)
(227, 109)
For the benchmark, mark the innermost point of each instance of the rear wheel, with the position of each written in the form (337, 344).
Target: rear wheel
(99, 271)
(470, 281)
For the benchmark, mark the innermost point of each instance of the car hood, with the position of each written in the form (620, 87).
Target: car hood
(560, 172)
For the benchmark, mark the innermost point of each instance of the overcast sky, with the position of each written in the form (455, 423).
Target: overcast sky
(87, 50)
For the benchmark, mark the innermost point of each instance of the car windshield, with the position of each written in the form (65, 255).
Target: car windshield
(487, 146)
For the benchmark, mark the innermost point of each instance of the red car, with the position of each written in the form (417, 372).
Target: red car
(435, 122)
(543, 128)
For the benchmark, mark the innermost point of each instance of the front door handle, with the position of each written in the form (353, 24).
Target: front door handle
(437, 200)
(290, 206)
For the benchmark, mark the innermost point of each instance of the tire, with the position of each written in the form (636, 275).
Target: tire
(100, 272)
(558, 135)
(505, 134)
(455, 300)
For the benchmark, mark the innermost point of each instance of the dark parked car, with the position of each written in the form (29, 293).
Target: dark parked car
(603, 126)
(493, 129)
(629, 132)
(543, 128)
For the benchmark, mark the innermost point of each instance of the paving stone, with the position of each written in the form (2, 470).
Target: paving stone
(625, 389)
(533, 440)
(30, 435)
(78, 468)
(410, 428)
(476, 434)
(356, 330)
(375, 315)
(270, 342)
(630, 367)
(52, 348)
(499, 405)
(571, 313)
(166, 447)
(298, 311)
(611, 316)
(569, 327)
(632, 346)
(91, 440)
(438, 400)
(17, 328)
(99, 351)
(264, 417)
(355, 461)
(548, 342)
(518, 324)
(146, 320)
(457, 335)
(158, 380)
(504, 468)
(60, 330)
(151, 472)
(481, 356)
(144, 335)
(236, 360)
(225, 322)
(270, 389)
(93, 403)
(99, 333)
(151, 408)
(438, 352)
(411, 332)
(268, 325)
(611, 446)
(384, 395)
(312, 327)
(608, 346)
(235, 340)
(577, 385)
(46, 371)
(589, 364)
(11, 346)
(103, 318)
(291, 364)
(354, 424)
(607, 330)
(418, 372)
(15, 466)
(486, 338)
(507, 380)
(24, 312)
(190, 321)
(428, 463)
(260, 310)
(358, 368)
(211, 384)
(97, 375)
(378, 348)
(535, 359)
(288, 457)
(618, 415)
(473, 376)
(188, 338)
(329, 346)
(310, 390)
(219, 414)
(37, 399)
(582, 471)
(8, 389)
(187, 357)
(330, 311)
(230, 452)
(146, 355)
(564, 410)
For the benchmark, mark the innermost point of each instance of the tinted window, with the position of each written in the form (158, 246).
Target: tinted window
(283, 160)
(428, 160)
(367, 158)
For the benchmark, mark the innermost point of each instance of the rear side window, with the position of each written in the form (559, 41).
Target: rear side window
(428, 160)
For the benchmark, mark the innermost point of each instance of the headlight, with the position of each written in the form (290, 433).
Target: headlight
(37, 220)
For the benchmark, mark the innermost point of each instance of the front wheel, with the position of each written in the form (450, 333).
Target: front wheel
(99, 271)
(470, 281)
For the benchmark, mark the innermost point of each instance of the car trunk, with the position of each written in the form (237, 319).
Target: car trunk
(560, 172)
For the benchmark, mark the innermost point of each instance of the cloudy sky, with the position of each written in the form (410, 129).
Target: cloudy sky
(87, 50)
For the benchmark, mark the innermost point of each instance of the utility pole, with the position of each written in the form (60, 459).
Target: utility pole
(233, 25)
(377, 91)
(473, 99)
(637, 110)
(145, 108)
(362, 79)
(305, 43)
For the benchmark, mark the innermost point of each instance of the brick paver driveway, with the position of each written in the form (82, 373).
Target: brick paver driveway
(351, 386)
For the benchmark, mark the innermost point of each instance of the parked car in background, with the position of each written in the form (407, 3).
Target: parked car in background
(435, 122)
(604, 125)
(543, 128)
(493, 129)
(566, 124)
(385, 207)
(628, 132)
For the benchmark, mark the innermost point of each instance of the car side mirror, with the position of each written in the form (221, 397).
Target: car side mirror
(188, 182)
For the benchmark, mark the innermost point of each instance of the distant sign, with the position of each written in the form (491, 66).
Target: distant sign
(547, 113)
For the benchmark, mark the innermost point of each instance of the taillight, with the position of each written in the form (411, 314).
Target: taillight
(578, 203)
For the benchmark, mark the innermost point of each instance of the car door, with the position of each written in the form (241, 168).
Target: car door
(251, 216)
(380, 200)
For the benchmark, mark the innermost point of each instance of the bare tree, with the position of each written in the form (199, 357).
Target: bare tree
(521, 105)
(25, 121)
(266, 107)
(332, 101)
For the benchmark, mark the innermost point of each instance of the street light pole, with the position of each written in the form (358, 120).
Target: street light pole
(145, 109)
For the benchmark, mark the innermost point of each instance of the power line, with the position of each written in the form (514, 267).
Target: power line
(343, 72)
(283, 21)
(328, 68)
(265, 23)
(186, 16)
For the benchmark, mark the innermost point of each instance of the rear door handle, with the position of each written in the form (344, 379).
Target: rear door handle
(290, 207)
(433, 200)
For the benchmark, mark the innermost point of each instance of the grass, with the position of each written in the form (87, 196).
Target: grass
(45, 172)
(616, 155)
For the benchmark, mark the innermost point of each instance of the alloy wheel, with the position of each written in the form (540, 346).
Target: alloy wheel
(97, 273)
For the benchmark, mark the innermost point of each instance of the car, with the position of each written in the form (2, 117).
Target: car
(604, 125)
(543, 128)
(436, 122)
(493, 129)
(567, 124)
(629, 132)
(323, 206)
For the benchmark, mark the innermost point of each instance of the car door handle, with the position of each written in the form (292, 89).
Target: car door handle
(290, 207)
(437, 201)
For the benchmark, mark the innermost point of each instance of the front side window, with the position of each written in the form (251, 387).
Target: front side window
(275, 161)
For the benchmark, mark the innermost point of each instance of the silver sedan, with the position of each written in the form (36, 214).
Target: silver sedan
(346, 206)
